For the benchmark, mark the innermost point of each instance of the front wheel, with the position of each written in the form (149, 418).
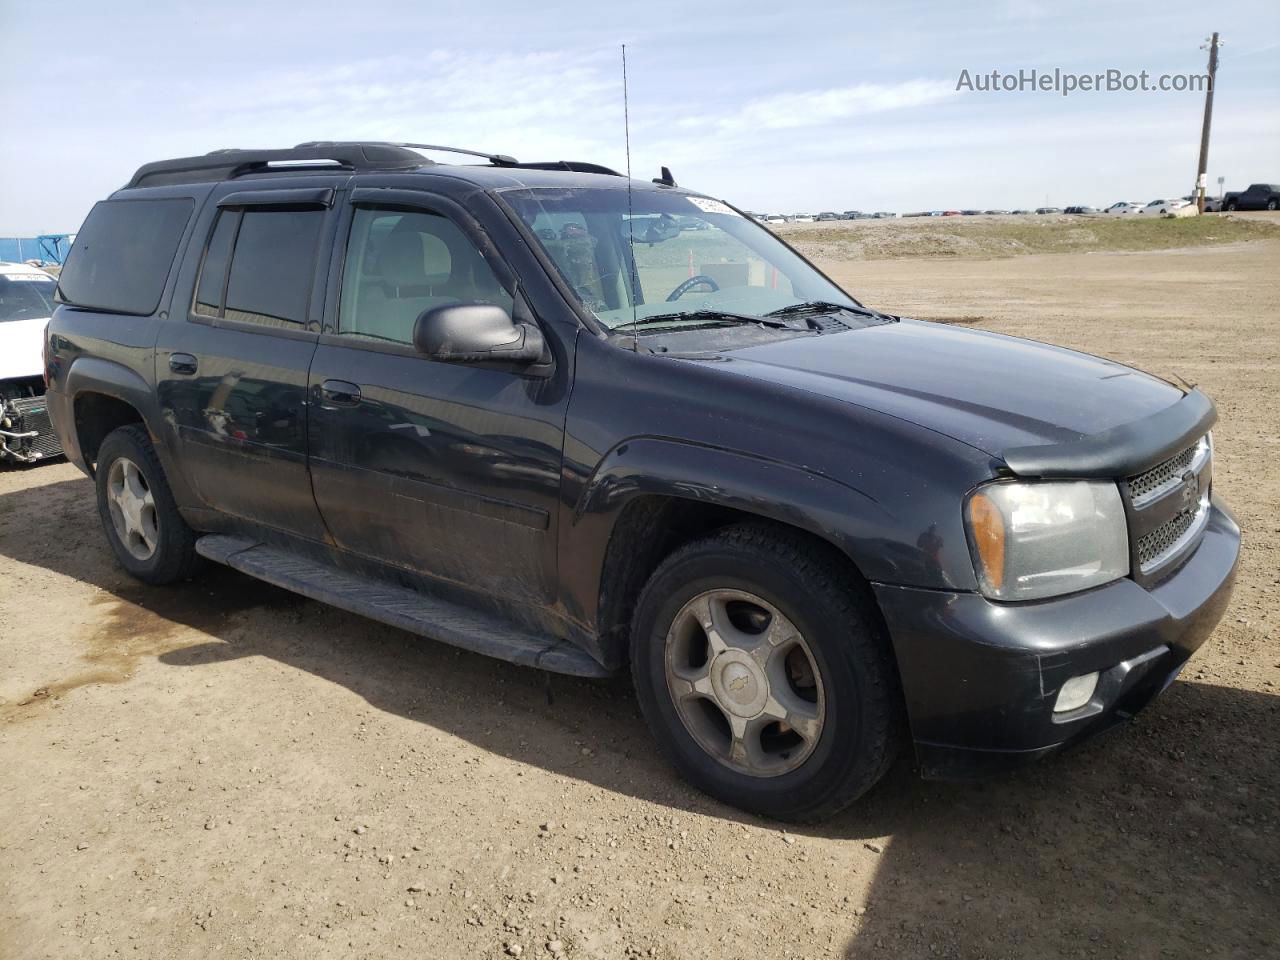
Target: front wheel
(1271, 204)
(762, 670)
(1231, 205)
(141, 519)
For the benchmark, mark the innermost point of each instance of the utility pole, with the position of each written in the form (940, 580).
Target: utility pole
(1213, 43)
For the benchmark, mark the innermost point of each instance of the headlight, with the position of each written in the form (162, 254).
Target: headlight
(1042, 538)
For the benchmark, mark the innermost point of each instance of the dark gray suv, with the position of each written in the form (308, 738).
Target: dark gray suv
(517, 408)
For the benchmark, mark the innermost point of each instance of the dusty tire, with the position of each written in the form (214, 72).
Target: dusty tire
(1272, 205)
(800, 584)
(152, 542)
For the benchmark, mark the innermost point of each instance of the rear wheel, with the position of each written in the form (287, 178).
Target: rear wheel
(763, 672)
(141, 519)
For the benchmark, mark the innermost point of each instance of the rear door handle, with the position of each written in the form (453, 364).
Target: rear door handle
(340, 393)
(183, 363)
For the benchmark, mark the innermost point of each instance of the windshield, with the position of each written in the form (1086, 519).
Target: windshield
(26, 296)
(671, 254)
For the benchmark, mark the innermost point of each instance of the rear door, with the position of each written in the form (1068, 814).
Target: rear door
(232, 373)
(450, 470)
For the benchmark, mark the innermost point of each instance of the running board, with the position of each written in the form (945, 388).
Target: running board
(400, 607)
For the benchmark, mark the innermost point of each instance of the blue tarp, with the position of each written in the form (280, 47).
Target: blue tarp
(52, 248)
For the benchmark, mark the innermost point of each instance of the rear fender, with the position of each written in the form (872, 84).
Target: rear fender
(89, 375)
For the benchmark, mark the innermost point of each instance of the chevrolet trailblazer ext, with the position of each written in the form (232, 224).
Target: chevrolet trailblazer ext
(514, 407)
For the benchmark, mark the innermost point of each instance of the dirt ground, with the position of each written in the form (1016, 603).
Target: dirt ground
(223, 769)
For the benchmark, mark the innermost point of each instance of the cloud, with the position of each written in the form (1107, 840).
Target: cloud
(816, 108)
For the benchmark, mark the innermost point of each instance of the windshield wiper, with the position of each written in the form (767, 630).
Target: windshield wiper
(825, 306)
(724, 316)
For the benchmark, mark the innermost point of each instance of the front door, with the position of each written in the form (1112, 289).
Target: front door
(232, 366)
(451, 470)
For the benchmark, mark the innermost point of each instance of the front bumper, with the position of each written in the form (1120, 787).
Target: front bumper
(981, 677)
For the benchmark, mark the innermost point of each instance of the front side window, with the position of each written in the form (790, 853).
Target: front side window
(402, 262)
(259, 266)
(26, 296)
(658, 253)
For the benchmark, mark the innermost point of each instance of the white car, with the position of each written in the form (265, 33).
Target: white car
(1212, 204)
(1123, 208)
(1161, 208)
(26, 303)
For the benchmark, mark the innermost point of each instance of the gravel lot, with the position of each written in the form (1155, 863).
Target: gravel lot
(224, 769)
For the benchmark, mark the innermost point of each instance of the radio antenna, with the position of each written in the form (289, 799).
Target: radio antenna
(631, 236)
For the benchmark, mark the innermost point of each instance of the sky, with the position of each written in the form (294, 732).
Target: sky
(776, 107)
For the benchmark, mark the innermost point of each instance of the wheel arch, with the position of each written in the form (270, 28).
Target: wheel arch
(102, 395)
(652, 495)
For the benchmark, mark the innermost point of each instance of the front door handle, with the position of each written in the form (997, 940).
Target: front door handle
(183, 363)
(340, 393)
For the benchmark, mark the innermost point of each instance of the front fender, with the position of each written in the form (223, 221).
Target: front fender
(884, 546)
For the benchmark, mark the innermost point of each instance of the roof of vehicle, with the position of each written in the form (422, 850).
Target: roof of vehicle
(358, 157)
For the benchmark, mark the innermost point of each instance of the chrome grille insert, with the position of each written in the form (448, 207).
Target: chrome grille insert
(1168, 538)
(1151, 484)
(1169, 506)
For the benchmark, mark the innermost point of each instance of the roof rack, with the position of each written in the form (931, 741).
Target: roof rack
(228, 164)
(576, 166)
(342, 154)
(497, 159)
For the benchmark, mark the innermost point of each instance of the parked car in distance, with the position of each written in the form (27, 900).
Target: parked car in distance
(26, 304)
(808, 530)
(802, 218)
(853, 215)
(996, 213)
(1079, 209)
(884, 215)
(951, 213)
(971, 213)
(1259, 196)
(1021, 213)
(776, 218)
(1048, 210)
(1162, 207)
(1213, 204)
(1123, 208)
(828, 215)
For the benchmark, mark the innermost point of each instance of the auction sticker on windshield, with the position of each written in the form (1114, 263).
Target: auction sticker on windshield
(707, 205)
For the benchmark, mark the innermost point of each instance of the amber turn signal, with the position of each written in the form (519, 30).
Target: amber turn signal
(987, 526)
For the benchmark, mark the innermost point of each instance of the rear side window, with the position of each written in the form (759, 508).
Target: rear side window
(259, 266)
(122, 256)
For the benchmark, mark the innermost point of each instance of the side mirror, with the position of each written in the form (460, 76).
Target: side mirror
(473, 332)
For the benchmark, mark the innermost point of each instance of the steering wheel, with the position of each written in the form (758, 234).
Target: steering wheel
(700, 280)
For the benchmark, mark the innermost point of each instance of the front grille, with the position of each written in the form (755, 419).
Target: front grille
(1169, 508)
(1164, 476)
(32, 413)
(1165, 538)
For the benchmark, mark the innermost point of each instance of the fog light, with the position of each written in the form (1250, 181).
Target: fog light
(1075, 693)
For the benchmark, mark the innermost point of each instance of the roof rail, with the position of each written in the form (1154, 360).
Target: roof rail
(576, 166)
(497, 159)
(227, 164)
(343, 154)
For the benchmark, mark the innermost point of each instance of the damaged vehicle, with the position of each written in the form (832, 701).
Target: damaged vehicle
(26, 304)
(519, 408)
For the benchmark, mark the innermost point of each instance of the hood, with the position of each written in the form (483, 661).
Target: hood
(21, 346)
(988, 390)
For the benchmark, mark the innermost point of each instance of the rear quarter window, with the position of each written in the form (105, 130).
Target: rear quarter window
(122, 255)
